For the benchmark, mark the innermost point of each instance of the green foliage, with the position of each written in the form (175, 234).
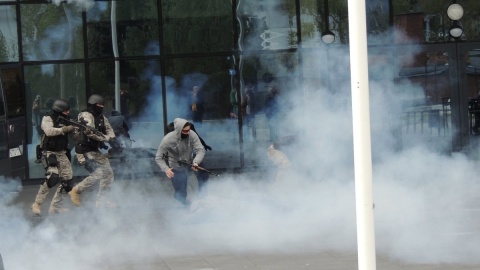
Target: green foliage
(308, 29)
(292, 38)
(197, 26)
(3, 49)
(42, 28)
(56, 80)
(339, 14)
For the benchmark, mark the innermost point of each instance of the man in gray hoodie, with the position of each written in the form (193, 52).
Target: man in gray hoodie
(177, 151)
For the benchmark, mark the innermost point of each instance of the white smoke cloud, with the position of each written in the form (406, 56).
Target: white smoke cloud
(424, 208)
(425, 201)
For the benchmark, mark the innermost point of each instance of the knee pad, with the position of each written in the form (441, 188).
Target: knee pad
(52, 160)
(52, 177)
(80, 158)
(67, 185)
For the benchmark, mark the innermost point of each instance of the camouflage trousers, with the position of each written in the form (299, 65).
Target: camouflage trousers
(64, 170)
(280, 160)
(100, 170)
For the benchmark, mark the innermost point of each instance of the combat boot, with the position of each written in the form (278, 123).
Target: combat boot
(55, 210)
(74, 196)
(106, 204)
(37, 208)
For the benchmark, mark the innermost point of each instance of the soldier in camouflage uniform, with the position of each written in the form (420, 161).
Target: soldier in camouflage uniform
(57, 165)
(89, 155)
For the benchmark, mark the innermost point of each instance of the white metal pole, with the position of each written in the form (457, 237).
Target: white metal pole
(113, 17)
(361, 134)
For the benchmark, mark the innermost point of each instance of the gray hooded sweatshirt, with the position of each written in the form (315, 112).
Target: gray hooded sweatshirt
(179, 149)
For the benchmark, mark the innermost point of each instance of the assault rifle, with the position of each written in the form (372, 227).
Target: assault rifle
(186, 163)
(82, 124)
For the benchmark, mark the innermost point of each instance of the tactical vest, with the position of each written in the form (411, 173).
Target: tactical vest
(54, 143)
(87, 144)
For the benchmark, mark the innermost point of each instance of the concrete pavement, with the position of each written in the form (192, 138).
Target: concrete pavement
(151, 231)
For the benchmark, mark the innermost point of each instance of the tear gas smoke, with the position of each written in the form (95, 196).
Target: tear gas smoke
(425, 201)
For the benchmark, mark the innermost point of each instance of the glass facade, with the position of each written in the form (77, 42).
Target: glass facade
(435, 20)
(51, 32)
(123, 28)
(8, 34)
(145, 57)
(267, 25)
(197, 27)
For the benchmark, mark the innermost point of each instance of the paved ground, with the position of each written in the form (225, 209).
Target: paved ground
(151, 231)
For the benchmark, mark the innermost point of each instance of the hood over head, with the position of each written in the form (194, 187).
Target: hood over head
(115, 113)
(179, 123)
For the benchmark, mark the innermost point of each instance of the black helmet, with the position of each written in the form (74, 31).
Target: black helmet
(60, 105)
(96, 99)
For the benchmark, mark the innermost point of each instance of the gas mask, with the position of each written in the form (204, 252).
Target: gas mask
(97, 110)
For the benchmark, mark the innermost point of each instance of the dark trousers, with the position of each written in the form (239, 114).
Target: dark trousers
(179, 181)
(202, 177)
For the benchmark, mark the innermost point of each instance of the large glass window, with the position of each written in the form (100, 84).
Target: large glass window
(197, 26)
(12, 85)
(136, 25)
(269, 88)
(270, 70)
(321, 69)
(44, 84)
(8, 34)
(210, 74)
(51, 32)
(312, 22)
(209, 108)
(139, 93)
(473, 90)
(139, 82)
(3, 125)
(318, 16)
(267, 25)
(423, 90)
(378, 22)
(428, 21)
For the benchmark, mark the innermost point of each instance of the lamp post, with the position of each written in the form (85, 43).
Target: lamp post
(357, 25)
(455, 13)
(459, 98)
(456, 30)
(327, 36)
